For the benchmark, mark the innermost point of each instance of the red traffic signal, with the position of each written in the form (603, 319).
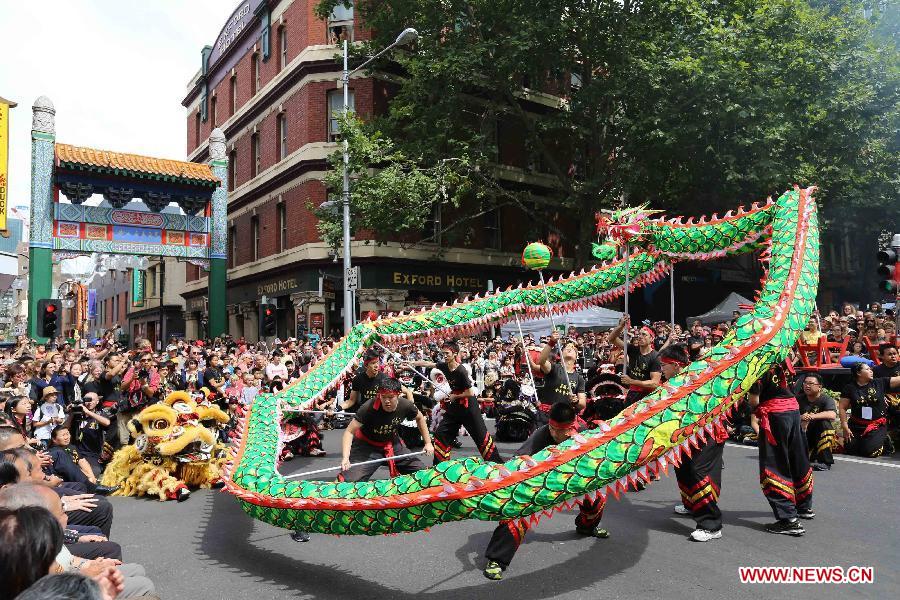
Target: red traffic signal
(268, 320)
(48, 315)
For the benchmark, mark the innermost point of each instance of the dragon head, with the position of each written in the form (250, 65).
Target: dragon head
(625, 226)
(620, 227)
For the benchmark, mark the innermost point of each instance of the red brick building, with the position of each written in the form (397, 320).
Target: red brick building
(271, 82)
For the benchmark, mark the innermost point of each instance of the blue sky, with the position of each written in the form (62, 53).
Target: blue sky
(116, 70)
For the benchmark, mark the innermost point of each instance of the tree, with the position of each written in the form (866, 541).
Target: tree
(687, 104)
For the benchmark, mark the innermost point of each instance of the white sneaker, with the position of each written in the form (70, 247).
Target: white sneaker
(702, 535)
(681, 510)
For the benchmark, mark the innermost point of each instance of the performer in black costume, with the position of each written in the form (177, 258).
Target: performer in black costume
(365, 383)
(700, 475)
(372, 434)
(509, 534)
(644, 372)
(460, 408)
(817, 414)
(557, 388)
(784, 471)
(864, 409)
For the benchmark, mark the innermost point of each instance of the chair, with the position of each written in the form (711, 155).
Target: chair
(821, 350)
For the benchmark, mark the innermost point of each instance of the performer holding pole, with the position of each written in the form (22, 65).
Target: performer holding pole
(563, 382)
(509, 534)
(552, 324)
(642, 373)
(784, 471)
(700, 475)
(372, 434)
(536, 257)
(460, 408)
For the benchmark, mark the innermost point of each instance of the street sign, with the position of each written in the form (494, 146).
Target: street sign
(352, 278)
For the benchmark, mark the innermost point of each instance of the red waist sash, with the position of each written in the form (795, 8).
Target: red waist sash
(870, 424)
(386, 447)
(774, 405)
(719, 433)
(464, 401)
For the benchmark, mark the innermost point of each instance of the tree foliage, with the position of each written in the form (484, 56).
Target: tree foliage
(690, 105)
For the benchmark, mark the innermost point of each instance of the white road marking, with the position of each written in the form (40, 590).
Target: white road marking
(862, 461)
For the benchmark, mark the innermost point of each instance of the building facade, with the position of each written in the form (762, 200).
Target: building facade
(271, 82)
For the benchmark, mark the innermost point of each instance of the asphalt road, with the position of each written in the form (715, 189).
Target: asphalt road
(207, 548)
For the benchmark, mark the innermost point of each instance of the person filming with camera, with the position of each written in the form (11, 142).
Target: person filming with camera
(139, 387)
(88, 422)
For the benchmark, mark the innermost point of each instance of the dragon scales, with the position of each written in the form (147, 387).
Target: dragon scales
(643, 439)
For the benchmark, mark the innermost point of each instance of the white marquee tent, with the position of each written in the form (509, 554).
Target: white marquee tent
(592, 316)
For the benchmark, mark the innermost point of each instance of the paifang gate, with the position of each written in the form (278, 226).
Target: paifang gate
(77, 173)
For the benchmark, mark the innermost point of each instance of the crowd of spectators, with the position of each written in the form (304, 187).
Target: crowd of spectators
(64, 410)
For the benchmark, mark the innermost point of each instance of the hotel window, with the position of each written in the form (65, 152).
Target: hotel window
(254, 231)
(212, 109)
(232, 170)
(335, 108)
(431, 233)
(282, 136)
(197, 120)
(282, 227)
(255, 154)
(257, 71)
(492, 238)
(340, 24)
(150, 276)
(234, 93)
(282, 48)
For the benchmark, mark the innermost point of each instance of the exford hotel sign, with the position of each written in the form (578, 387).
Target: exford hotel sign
(233, 28)
(240, 19)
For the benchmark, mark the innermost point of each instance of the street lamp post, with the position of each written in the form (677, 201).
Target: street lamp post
(406, 36)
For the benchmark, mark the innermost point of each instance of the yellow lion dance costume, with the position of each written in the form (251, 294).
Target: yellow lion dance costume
(174, 447)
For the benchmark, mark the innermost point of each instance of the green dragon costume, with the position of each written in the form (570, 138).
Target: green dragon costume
(637, 443)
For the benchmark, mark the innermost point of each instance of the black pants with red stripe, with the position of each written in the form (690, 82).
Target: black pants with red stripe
(700, 482)
(456, 415)
(508, 535)
(784, 472)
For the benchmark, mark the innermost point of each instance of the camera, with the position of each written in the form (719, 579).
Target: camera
(77, 406)
(143, 374)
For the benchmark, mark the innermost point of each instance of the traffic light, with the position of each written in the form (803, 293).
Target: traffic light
(49, 312)
(888, 269)
(268, 320)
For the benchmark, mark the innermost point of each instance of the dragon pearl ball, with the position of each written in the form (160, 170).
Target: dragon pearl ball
(536, 256)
